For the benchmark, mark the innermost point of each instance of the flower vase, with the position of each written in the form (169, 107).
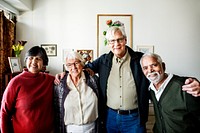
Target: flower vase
(17, 54)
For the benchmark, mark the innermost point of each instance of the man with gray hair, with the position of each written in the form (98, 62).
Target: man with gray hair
(175, 110)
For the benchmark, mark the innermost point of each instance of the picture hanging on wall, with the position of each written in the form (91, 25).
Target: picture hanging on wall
(64, 53)
(86, 54)
(51, 49)
(145, 49)
(104, 21)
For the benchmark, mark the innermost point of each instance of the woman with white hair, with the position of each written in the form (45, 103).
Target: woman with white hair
(76, 98)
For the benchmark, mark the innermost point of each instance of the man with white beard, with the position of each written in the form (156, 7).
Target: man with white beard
(175, 110)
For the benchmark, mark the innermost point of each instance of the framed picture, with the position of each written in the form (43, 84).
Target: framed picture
(86, 54)
(145, 49)
(64, 53)
(51, 49)
(15, 64)
(64, 68)
(102, 26)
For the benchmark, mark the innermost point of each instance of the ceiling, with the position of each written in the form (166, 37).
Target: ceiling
(16, 6)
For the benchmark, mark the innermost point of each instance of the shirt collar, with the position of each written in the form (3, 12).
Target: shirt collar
(121, 60)
(164, 84)
(82, 79)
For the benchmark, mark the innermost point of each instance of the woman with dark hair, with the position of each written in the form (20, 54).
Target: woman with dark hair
(27, 104)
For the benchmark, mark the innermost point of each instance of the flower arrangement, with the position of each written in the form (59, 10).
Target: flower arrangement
(110, 24)
(18, 47)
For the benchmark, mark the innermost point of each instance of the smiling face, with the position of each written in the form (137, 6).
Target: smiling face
(74, 67)
(34, 64)
(35, 58)
(117, 44)
(152, 69)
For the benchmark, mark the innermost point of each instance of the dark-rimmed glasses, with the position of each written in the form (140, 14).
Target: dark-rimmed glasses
(119, 40)
(77, 63)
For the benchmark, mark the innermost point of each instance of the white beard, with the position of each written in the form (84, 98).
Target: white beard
(155, 77)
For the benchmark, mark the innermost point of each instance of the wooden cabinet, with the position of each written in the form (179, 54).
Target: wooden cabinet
(9, 76)
(151, 119)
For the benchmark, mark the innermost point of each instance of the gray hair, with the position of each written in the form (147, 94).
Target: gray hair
(156, 56)
(112, 30)
(75, 55)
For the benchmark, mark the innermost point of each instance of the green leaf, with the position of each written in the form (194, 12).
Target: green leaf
(116, 25)
(104, 33)
(105, 42)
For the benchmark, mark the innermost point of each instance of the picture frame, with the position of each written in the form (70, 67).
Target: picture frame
(64, 68)
(15, 64)
(127, 19)
(145, 48)
(51, 49)
(64, 53)
(85, 52)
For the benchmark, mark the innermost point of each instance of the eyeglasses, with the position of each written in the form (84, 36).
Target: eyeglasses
(119, 40)
(77, 63)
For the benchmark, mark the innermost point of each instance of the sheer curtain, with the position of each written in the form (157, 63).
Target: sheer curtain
(7, 38)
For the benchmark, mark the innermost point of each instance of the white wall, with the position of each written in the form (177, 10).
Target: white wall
(172, 26)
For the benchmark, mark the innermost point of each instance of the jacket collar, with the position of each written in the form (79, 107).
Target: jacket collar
(130, 51)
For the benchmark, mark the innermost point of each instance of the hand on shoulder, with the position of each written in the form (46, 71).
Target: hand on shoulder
(192, 86)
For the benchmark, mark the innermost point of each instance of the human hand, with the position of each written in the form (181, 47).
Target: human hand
(58, 77)
(192, 86)
(90, 71)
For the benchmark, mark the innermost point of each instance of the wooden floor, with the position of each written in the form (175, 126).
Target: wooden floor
(151, 119)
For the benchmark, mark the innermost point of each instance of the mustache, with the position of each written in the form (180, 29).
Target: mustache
(152, 73)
